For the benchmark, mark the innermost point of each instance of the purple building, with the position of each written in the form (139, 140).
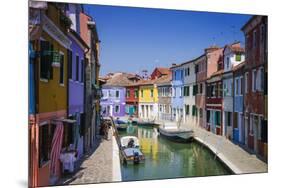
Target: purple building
(113, 102)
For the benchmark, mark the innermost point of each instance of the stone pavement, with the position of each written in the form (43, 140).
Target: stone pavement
(235, 157)
(98, 166)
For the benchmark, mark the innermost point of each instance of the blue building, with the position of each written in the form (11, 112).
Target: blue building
(238, 99)
(177, 92)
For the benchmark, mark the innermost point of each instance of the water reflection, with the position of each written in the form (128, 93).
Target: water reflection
(167, 159)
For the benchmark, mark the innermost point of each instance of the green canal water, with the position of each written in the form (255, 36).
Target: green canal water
(168, 159)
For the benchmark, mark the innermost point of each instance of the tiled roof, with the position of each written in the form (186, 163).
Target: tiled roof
(164, 79)
(163, 70)
(118, 79)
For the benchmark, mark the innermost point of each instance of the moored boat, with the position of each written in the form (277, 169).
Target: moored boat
(121, 127)
(131, 153)
(177, 134)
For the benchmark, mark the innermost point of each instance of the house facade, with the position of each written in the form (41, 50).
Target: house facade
(189, 92)
(233, 55)
(132, 100)
(177, 92)
(214, 98)
(50, 87)
(239, 129)
(255, 31)
(148, 100)
(164, 88)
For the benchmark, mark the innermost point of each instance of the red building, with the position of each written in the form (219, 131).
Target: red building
(160, 71)
(214, 99)
(132, 99)
(255, 31)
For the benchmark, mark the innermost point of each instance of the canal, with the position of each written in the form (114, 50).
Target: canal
(168, 159)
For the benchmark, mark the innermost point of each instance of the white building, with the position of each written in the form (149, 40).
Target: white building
(188, 96)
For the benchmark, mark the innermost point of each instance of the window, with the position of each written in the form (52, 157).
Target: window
(77, 68)
(227, 62)
(136, 93)
(229, 119)
(117, 109)
(186, 91)
(254, 38)
(82, 71)
(128, 93)
(141, 93)
(238, 57)
(219, 89)
(195, 89)
(218, 118)
(44, 144)
(188, 71)
(254, 76)
(186, 109)
(181, 91)
(261, 79)
(69, 63)
(246, 82)
(194, 110)
(201, 88)
(46, 68)
(151, 93)
(236, 87)
(185, 72)
(117, 94)
(62, 69)
(208, 116)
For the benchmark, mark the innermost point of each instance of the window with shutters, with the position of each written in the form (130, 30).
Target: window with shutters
(46, 58)
(246, 82)
(208, 116)
(186, 109)
(117, 94)
(254, 76)
(82, 71)
(218, 118)
(195, 90)
(77, 68)
(62, 69)
(188, 71)
(261, 79)
(238, 57)
(69, 63)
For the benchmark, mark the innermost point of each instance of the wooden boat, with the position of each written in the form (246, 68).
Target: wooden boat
(131, 153)
(121, 127)
(176, 134)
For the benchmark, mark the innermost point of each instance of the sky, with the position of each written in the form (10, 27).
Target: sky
(134, 39)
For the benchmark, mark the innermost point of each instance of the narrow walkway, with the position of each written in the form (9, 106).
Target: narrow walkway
(236, 158)
(99, 166)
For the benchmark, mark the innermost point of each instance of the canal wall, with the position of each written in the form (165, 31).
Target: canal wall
(233, 156)
(116, 167)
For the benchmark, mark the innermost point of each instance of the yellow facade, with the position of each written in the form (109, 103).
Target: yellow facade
(146, 95)
(52, 95)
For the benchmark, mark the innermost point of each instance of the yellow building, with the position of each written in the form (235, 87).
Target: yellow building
(52, 45)
(148, 100)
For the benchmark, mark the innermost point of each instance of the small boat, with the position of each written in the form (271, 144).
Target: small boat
(147, 122)
(177, 134)
(121, 127)
(131, 153)
(118, 121)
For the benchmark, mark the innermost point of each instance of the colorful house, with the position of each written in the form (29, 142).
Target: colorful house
(238, 101)
(92, 90)
(233, 55)
(76, 85)
(113, 102)
(214, 100)
(132, 100)
(190, 91)
(50, 84)
(177, 92)
(255, 31)
(164, 88)
(148, 99)
(204, 68)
